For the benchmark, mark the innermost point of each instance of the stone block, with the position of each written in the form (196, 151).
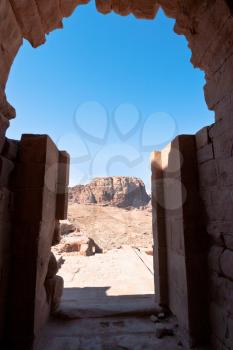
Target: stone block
(6, 204)
(161, 261)
(214, 258)
(202, 137)
(32, 238)
(21, 318)
(208, 175)
(217, 344)
(42, 310)
(10, 149)
(178, 298)
(218, 320)
(23, 274)
(161, 295)
(228, 240)
(6, 168)
(4, 278)
(205, 153)
(62, 206)
(37, 149)
(5, 242)
(223, 144)
(222, 226)
(44, 252)
(35, 175)
(221, 206)
(196, 240)
(159, 232)
(192, 208)
(226, 263)
(223, 110)
(57, 233)
(225, 171)
(4, 124)
(2, 141)
(63, 170)
(175, 235)
(215, 231)
(2, 320)
(223, 125)
(37, 204)
(221, 323)
(221, 292)
(174, 192)
(156, 166)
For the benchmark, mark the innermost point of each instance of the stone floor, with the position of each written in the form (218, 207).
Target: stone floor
(118, 282)
(107, 303)
(112, 333)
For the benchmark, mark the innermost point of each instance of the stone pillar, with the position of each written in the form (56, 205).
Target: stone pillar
(180, 240)
(8, 152)
(159, 231)
(35, 184)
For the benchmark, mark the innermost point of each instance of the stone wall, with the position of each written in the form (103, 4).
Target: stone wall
(39, 182)
(208, 26)
(8, 153)
(180, 240)
(33, 197)
(216, 185)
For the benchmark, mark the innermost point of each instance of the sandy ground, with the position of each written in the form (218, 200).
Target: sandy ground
(112, 227)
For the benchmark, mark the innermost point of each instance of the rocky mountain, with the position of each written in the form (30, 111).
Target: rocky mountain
(120, 191)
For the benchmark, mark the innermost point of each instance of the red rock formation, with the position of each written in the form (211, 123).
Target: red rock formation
(118, 191)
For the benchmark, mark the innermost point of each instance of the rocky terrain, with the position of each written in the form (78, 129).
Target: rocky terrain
(106, 214)
(93, 228)
(117, 191)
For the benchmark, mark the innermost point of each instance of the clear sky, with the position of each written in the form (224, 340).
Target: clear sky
(109, 90)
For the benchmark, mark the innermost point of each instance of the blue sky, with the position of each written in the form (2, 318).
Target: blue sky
(108, 89)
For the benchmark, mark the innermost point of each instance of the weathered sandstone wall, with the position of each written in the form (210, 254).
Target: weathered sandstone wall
(8, 153)
(208, 26)
(34, 197)
(180, 239)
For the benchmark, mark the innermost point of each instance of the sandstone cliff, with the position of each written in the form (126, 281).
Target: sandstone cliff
(117, 191)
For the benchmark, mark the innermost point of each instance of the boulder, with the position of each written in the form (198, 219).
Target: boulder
(77, 244)
(67, 227)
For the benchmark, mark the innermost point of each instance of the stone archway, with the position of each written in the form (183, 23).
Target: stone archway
(207, 25)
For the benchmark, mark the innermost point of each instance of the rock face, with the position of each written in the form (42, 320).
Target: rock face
(117, 191)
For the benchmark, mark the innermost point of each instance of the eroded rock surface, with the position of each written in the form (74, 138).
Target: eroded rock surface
(117, 191)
